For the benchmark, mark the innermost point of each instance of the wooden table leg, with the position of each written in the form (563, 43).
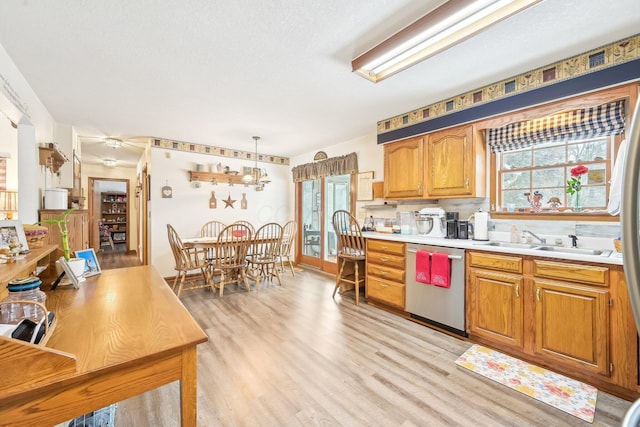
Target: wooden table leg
(189, 388)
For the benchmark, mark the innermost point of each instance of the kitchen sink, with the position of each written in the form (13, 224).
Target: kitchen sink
(579, 251)
(509, 245)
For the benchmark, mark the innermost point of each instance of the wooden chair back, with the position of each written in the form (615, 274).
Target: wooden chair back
(212, 229)
(232, 247)
(266, 243)
(351, 243)
(289, 231)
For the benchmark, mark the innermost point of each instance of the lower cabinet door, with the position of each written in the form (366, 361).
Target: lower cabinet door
(386, 292)
(572, 324)
(496, 307)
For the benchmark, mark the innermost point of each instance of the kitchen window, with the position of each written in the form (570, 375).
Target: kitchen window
(546, 168)
(532, 161)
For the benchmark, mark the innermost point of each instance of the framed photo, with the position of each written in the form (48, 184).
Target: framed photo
(92, 267)
(68, 272)
(365, 186)
(12, 228)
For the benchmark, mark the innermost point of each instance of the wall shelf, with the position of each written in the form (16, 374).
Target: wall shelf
(220, 178)
(51, 157)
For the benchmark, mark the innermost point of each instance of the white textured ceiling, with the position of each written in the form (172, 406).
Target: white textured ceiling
(217, 72)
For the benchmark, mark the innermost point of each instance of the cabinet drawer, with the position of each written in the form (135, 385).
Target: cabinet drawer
(591, 274)
(385, 272)
(389, 293)
(495, 261)
(395, 261)
(396, 248)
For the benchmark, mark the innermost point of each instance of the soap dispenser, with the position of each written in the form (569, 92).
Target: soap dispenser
(514, 234)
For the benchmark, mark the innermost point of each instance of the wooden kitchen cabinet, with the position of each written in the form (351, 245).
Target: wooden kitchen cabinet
(386, 272)
(455, 164)
(78, 223)
(550, 312)
(495, 298)
(572, 319)
(404, 169)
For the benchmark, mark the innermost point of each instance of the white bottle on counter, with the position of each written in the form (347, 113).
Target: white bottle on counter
(515, 238)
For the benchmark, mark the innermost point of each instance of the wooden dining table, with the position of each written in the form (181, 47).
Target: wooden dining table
(212, 243)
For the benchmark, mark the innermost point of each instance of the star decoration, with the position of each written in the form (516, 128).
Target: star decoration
(229, 202)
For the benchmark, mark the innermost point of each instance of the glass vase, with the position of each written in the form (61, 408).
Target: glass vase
(577, 205)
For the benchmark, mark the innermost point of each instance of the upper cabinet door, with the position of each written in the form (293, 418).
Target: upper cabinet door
(455, 164)
(403, 169)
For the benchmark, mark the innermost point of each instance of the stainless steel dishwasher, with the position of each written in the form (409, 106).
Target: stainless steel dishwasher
(441, 307)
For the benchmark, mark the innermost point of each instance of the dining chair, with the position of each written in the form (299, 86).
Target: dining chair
(351, 250)
(187, 260)
(289, 231)
(211, 229)
(264, 253)
(231, 256)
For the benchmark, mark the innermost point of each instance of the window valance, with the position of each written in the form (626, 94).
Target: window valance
(341, 165)
(602, 120)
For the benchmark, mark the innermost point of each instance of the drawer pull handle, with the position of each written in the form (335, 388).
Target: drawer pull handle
(384, 248)
(517, 291)
(383, 272)
(384, 259)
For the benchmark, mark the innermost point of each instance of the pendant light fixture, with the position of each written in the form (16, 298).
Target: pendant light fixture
(258, 177)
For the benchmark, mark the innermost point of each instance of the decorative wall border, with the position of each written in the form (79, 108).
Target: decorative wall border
(190, 147)
(594, 60)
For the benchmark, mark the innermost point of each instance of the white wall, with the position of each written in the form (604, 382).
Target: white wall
(21, 104)
(188, 209)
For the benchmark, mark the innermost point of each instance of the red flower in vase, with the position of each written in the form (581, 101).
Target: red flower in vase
(574, 183)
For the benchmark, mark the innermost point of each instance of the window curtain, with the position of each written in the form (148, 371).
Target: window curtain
(342, 165)
(602, 120)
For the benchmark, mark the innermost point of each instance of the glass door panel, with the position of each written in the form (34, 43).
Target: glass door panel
(337, 197)
(310, 211)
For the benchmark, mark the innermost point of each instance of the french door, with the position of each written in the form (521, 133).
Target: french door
(317, 200)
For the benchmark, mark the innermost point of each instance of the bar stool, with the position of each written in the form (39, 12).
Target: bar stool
(351, 250)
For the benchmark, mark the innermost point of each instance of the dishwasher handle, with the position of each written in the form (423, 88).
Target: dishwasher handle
(454, 257)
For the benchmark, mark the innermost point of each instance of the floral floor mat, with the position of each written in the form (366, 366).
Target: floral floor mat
(566, 394)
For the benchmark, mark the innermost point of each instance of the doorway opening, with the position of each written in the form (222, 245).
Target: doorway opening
(109, 214)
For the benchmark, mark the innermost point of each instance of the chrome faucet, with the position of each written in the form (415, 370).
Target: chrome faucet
(541, 239)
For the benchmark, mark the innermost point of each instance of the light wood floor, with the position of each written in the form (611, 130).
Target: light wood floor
(292, 356)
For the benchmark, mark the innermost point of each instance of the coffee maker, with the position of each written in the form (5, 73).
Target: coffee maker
(452, 225)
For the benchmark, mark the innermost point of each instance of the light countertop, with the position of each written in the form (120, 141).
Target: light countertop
(612, 256)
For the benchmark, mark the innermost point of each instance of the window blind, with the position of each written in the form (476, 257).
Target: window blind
(602, 120)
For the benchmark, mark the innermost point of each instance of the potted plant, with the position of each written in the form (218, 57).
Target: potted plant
(76, 264)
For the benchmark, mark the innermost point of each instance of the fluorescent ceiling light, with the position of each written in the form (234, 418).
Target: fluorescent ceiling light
(447, 25)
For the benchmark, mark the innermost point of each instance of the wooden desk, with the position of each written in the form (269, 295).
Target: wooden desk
(124, 332)
(24, 267)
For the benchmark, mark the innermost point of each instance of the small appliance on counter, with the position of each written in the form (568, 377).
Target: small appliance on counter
(430, 222)
(452, 225)
(463, 229)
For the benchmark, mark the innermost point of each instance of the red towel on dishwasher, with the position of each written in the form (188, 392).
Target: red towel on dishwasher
(440, 270)
(423, 266)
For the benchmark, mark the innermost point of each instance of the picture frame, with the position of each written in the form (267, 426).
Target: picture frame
(68, 272)
(12, 228)
(92, 266)
(365, 186)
